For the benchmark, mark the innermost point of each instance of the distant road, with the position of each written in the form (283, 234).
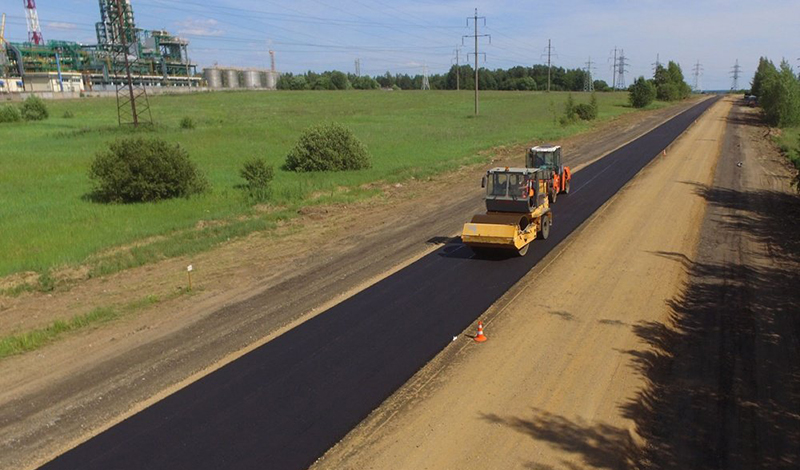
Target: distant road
(285, 403)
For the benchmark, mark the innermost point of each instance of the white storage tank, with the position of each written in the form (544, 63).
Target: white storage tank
(272, 80)
(252, 79)
(213, 77)
(232, 78)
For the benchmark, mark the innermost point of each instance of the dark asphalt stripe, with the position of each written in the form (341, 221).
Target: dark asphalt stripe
(285, 403)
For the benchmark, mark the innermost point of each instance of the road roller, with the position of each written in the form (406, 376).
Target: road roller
(517, 212)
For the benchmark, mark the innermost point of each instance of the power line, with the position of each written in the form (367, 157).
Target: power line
(475, 53)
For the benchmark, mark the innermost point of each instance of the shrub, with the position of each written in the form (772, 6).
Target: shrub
(34, 109)
(586, 112)
(258, 176)
(329, 147)
(10, 113)
(187, 123)
(642, 93)
(68, 114)
(570, 114)
(143, 170)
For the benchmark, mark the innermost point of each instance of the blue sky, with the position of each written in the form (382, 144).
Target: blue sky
(403, 36)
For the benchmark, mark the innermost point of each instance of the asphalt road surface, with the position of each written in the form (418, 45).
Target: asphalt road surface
(284, 404)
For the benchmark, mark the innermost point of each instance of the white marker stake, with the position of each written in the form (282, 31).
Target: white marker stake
(189, 270)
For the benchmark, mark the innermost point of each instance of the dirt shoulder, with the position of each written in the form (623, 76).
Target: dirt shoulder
(553, 386)
(246, 292)
(725, 376)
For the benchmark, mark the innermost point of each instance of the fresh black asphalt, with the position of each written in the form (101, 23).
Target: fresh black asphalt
(284, 404)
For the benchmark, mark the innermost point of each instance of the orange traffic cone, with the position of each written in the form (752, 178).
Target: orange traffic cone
(481, 337)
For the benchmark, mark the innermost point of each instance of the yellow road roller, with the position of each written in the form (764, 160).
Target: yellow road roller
(517, 211)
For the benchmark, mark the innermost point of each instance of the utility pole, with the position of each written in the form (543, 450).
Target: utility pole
(458, 71)
(588, 82)
(549, 62)
(614, 71)
(476, 36)
(736, 70)
(698, 70)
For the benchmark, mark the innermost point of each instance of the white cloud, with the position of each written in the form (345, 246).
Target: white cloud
(195, 27)
(61, 25)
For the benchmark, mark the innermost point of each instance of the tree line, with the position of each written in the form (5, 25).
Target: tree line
(515, 78)
(667, 84)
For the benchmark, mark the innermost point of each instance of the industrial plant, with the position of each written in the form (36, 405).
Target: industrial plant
(151, 59)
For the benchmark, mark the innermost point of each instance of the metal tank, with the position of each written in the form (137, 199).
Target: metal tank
(252, 79)
(232, 77)
(213, 77)
(272, 80)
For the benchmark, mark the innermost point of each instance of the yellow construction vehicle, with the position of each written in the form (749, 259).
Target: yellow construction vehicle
(517, 211)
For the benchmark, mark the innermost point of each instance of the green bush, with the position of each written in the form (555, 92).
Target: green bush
(331, 147)
(570, 114)
(10, 113)
(144, 170)
(68, 114)
(187, 123)
(34, 109)
(642, 93)
(586, 112)
(258, 176)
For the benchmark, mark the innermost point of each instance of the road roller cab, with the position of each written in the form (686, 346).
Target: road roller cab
(547, 158)
(517, 211)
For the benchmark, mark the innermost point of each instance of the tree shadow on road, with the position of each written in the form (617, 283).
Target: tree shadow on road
(599, 445)
(723, 374)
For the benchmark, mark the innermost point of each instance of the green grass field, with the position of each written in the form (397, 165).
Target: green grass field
(47, 222)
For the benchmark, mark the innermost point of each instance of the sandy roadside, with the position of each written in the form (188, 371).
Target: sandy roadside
(549, 388)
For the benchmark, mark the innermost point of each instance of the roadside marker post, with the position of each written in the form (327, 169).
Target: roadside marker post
(189, 270)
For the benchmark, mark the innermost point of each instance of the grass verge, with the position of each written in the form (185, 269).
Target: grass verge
(32, 340)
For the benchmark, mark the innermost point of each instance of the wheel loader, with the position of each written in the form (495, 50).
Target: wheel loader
(517, 211)
(548, 159)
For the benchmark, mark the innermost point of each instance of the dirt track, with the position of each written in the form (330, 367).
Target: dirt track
(601, 359)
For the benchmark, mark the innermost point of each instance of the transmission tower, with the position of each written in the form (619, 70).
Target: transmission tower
(656, 64)
(622, 68)
(32, 17)
(736, 70)
(588, 81)
(548, 51)
(358, 67)
(697, 71)
(426, 84)
(476, 53)
(117, 36)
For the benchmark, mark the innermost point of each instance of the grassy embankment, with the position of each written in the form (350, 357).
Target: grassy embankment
(48, 223)
(789, 142)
